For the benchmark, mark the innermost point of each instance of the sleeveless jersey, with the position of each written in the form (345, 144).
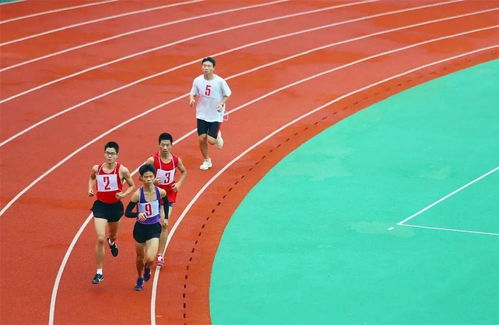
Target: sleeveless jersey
(165, 172)
(108, 184)
(150, 209)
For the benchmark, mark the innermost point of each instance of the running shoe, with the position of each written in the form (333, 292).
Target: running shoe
(113, 247)
(98, 278)
(147, 274)
(140, 282)
(206, 164)
(220, 140)
(160, 261)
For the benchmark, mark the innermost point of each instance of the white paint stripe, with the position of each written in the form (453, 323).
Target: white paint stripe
(55, 10)
(226, 52)
(198, 194)
(58, 277)
(8, 3)
(96, 21)
(238, 108)
(447, 196)
(139, 31)
(452, 229)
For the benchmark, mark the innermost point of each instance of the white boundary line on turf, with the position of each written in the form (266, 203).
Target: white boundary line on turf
(139, 31)
(6, 141)
(96, 21)
(452, 229)
(11, 2)
(55, 10)
(402, 223)
(198, 194)
(33, 183)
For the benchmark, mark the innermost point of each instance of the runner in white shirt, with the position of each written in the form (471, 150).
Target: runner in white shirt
(213, 93)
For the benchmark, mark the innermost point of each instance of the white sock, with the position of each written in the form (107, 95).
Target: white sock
(99, 271)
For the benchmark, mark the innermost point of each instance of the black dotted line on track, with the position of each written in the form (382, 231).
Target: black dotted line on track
(397, 83)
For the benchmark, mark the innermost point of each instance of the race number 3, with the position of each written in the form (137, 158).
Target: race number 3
(207, 91)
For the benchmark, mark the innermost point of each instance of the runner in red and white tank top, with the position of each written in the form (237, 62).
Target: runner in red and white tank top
(108, 184)
(165, 174)
(107, 179)
(166, 165)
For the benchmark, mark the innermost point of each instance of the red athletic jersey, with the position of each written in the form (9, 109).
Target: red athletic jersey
(166, 174)
(108, 184)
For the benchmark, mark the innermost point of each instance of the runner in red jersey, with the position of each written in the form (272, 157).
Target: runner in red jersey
(107, 209)
(166, 165)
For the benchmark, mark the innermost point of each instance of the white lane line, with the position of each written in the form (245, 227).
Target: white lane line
(53, 297)
(232, 50)
(401, 223)
(198, 194)
(10, 2)
(452, 229)
(139, 31)
(96, 21)
(12, 201)
(55, 10)
(186, 40)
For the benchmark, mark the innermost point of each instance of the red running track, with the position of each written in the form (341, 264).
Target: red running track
(33, 251)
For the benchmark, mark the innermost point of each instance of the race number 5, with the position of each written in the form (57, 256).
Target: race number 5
(207, 91)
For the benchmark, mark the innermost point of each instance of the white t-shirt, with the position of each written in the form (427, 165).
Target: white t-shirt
(210, 93)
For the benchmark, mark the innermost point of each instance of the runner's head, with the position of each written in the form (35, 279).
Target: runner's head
(165, 141)
(111, 150)
(208, 65)
(147, 173)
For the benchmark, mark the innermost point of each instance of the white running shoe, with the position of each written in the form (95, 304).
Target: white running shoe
(206, 164)
(220, 141)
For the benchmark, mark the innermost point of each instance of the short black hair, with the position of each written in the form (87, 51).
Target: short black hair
(147, 168)
(209, 59)
(112, 144)
(165, 136)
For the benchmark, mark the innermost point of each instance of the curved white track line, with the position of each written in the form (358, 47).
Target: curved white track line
(55, 10)
(198, 194)
(139, 31)
(96, 21)
(75, 239)
(6, 141)
(185, 40)
(12, 201)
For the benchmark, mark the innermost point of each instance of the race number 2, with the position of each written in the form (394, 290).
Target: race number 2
(107, 182)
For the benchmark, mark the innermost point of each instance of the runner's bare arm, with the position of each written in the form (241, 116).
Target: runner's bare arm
(91, 180)
(127, 177)
(183, 175)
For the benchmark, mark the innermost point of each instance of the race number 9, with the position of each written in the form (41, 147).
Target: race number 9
(148, 210)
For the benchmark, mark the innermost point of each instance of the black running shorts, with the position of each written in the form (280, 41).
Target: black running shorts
(142, 233)
(210, 128)
(112, 212)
